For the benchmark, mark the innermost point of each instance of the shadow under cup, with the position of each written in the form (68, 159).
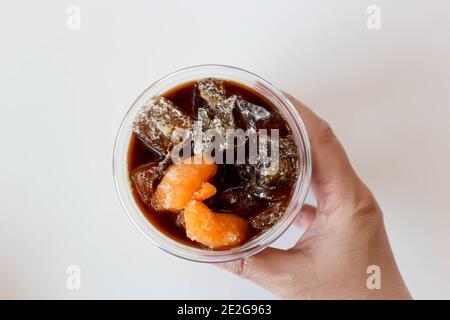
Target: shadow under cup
(123, 183)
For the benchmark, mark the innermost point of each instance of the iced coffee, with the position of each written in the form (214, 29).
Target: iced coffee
(212, 163)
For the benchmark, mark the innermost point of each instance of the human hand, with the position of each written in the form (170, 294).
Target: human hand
(344, 235)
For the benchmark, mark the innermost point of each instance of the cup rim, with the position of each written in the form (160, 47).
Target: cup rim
(150, 231)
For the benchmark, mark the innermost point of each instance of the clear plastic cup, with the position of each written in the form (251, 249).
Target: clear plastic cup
(123, 184)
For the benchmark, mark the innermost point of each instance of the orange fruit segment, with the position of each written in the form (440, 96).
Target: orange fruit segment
(207, 190)
(214, 230)
(180, 182)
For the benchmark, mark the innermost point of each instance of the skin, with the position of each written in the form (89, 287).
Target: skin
(344, 235)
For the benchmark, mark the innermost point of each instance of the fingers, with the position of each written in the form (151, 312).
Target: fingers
(265, 268)
(333, 176)
(306, 217)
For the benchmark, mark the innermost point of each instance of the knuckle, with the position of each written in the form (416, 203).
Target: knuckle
(366, 203)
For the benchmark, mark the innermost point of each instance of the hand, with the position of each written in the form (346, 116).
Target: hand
(344, 235)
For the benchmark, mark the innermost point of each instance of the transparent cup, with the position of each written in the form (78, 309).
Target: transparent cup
(123, 184)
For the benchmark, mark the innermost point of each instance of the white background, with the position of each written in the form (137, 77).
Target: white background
(63, 94)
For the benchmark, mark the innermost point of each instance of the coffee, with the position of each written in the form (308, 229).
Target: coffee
(222, 205)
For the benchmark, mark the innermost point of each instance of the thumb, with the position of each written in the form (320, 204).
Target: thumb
(270, 269)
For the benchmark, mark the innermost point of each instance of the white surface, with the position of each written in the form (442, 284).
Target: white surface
(63, 94)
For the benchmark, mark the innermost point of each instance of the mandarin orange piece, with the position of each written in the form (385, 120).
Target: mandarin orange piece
(214, 230)
(180, 183)
(207, 190)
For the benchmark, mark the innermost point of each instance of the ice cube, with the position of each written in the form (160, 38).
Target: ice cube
(160, 125)
(237, 200)
(247, 172)
(275, 121)
(203, 120)
(208, 128)
(212, 91)
(145, 178)
(251, 115)
(269, 217)
(247, 176)
(224, 118)
(267, 194)
(288, 165)
(197, 101)
(221, 119)
(226, 177)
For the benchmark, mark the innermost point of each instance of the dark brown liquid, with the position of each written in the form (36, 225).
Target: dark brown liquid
(184, 96)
